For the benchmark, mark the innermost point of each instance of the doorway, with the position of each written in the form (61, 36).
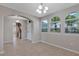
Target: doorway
(18, 30)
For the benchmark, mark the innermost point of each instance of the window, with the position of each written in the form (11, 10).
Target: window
(72, 23)
(55, 24)
(44, 25)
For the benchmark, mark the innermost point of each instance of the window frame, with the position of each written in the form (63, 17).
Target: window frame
(72, 31)
(47, 26)
(54, 22)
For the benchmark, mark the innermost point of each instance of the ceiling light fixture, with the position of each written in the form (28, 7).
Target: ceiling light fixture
(39, 11)
(42, 9)
(40, 6)
(46, 8)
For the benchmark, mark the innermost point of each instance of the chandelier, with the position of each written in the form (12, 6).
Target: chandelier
(42, 9)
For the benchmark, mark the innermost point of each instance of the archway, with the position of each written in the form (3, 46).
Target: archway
(11, 23)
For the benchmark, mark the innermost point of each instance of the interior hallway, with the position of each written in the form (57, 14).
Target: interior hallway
(26, 48)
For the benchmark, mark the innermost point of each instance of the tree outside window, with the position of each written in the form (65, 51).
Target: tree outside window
(72, 23)
(55, 24)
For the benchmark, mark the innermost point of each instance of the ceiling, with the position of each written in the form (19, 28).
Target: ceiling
(30, 8)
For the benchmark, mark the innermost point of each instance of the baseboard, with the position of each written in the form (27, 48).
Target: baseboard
(77, 52)
(7, 41)
(1, 51)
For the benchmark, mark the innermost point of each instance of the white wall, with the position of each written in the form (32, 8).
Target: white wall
(24, 29)
(1, 32)
(62, 39)
(29, 30)
(8, 30)
(36, 31)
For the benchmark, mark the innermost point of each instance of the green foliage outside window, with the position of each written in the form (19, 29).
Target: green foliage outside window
(55, 24)
(72, 23)
(70, 17)
(55, 18)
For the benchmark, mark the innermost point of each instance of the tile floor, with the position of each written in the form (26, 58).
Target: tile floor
(27, 48)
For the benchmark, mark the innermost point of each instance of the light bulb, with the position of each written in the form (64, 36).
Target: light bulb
(38, 11)
(40, 7)
(46, 8)
(44, 11)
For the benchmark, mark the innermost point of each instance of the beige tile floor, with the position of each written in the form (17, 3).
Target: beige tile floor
(26, 48)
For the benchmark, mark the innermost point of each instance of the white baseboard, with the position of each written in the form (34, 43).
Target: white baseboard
(7, 41)
(77, 52)
(1, 51)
